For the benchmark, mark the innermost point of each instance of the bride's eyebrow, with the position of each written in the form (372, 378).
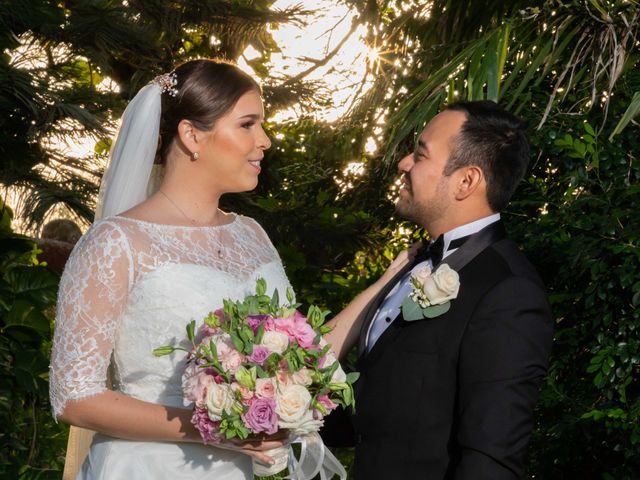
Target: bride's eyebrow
(250, 116)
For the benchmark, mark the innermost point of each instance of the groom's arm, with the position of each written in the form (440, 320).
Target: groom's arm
(503, 359)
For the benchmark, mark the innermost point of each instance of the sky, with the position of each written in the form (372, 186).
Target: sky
(325, 29)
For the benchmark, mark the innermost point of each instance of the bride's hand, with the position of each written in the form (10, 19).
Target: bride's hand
(256, 447)
(401, 260)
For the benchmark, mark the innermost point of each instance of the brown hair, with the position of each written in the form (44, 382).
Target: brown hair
(207, 90)
(497, 142)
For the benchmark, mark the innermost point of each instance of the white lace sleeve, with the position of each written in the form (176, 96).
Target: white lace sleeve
(93, 294)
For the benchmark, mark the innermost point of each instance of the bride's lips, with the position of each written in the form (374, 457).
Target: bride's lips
(256, 164)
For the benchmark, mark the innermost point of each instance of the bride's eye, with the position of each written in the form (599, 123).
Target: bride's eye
(248, 125)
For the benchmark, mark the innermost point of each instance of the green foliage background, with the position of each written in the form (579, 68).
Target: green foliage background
(570, 68)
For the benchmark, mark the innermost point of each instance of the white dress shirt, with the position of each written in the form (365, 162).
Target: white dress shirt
(392, 305)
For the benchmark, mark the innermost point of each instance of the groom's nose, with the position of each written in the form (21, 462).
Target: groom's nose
(405, 164)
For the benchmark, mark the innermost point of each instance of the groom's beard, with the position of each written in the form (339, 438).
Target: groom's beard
(423, 211)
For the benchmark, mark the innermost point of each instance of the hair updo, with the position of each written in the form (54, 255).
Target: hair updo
(207, 90)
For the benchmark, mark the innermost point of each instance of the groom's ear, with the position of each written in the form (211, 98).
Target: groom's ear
(468, 180)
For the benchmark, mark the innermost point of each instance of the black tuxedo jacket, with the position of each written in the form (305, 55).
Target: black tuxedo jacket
(452, 397)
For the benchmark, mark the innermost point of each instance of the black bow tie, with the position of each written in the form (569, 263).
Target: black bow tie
(435, 249)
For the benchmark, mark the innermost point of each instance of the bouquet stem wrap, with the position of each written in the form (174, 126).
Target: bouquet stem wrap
(315, 458)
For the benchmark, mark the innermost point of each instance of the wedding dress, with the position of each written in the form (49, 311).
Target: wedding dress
(131, 286)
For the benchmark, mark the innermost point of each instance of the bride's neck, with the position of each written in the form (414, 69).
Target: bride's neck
(189, 199)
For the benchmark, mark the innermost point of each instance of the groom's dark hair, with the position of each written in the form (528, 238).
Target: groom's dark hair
(494, 140)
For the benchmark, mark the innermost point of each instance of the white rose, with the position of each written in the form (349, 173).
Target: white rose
(292, 402)
(442, 285)
(307, 424)
(301, 377)
(275, 341)
(219, 399)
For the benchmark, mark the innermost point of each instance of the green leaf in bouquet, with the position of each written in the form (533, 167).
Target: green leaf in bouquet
(261, 372)
(237, 342)
(246, 335)
(259, 333)
(324, 329)
(273, 360)
(290, 296)
(347, 395)
(213, 351)
(261, 286)
(191, 331)
(317, 377)
(330, 370)
(275, 300)
(165, 350)
(352, 377)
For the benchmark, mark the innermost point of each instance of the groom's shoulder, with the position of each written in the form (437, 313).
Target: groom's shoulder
(508, 259)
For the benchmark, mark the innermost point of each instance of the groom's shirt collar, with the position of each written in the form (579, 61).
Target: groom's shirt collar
(466, 230)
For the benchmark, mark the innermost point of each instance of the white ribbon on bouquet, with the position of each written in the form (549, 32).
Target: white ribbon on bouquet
(315, 458)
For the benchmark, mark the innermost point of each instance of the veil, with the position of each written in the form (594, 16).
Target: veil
(130, 177)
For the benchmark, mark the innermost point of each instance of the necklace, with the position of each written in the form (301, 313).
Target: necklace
(178, 208)
(194, 222)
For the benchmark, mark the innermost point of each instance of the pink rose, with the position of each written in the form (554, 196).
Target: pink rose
(265, 388)
(261, 416)
(245, 393)
(259, 354)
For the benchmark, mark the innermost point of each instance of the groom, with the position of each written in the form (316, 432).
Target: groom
(452, 397)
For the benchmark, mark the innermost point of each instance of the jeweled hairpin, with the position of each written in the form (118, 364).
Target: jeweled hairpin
(167, 82)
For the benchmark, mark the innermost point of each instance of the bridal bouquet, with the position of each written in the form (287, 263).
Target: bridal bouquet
(257, 367)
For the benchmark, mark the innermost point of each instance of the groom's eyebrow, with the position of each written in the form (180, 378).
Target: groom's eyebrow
(422, 145)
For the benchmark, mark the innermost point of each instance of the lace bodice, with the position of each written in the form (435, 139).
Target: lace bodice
(131, 286)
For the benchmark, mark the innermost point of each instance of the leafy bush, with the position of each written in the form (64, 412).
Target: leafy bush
(31, 444)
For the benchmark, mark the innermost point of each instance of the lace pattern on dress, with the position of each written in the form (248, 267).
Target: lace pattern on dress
(119, 269)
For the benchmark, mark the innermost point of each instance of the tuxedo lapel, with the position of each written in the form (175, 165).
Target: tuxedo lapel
(373, 306)
(457, 261)
(475, 245)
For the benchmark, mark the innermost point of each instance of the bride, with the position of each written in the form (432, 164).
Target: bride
(160, 254)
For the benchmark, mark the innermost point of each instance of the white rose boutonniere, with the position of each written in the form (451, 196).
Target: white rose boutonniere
(431, 293)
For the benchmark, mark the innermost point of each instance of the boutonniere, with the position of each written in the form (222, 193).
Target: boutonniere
(431, 293)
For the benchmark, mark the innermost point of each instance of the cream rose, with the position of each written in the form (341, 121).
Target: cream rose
(275, 341)
(307, 424)
(442, 285)
(301, 377)
(292, 402)
(219, 399)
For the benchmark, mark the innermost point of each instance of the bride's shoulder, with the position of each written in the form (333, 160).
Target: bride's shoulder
(107, 231)
(250, 223)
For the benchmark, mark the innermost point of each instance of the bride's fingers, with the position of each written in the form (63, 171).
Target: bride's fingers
(261, 457)
(259, 445)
